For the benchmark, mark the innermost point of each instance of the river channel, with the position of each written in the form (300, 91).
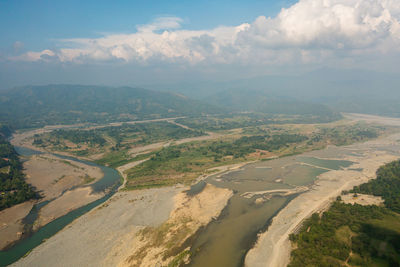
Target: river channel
(225, 241)
(108, 183)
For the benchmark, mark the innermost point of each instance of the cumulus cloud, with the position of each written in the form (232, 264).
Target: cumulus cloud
(308, 31)
(36, 56)
(162, 23)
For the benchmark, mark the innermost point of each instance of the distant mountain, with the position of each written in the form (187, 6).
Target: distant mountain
(35, 106)
(265, 102)
(359, 91)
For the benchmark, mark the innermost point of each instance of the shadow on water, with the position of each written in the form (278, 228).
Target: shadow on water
(108, 183)
(196, 188)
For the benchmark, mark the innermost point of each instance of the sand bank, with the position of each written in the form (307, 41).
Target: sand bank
(110, 234)
(362, 199)
(52, 176)
(103, 236)
(63, 182)
(161, 245)
(11, 226)
(62, 205)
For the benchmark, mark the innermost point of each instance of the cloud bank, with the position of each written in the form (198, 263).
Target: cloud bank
(309, 31)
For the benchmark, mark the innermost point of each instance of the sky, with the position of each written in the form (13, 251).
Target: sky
(144, 42)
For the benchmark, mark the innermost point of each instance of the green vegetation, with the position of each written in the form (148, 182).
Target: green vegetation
(183, 163)
(91, 137)
(177, 261)
(355, 235)
(87, 179)
(37, 106)
(349, 235)
(386, 185)
(13, 188)
(345, 135)
(148, 133)
(114, 140)
(248, 119)
(259, 137)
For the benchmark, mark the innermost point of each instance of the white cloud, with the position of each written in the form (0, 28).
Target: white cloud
(162, 23)
(35, 56)
(309, 31)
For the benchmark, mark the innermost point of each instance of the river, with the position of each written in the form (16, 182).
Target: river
(225, 241)
(108, 183)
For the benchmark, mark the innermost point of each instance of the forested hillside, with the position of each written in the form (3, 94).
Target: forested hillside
(35, 106)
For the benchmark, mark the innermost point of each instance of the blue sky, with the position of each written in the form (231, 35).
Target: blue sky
(36, 23)
(144, 42)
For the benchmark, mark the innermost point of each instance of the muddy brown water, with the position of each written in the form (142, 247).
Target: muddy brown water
(225, 241)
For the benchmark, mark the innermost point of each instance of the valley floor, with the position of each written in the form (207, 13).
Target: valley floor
(126, 229)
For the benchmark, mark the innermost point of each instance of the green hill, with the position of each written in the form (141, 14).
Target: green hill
(35, 106)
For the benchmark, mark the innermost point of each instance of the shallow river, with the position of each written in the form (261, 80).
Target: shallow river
(109, 183)
(225, 241)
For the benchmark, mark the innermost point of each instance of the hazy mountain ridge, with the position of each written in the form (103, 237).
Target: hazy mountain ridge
(34, 106)
(265, 102)
(358, 91)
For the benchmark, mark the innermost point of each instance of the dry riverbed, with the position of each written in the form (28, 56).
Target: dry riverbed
(142, 228)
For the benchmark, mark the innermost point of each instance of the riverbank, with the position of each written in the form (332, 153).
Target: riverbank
(64, 184)
(273, 246)
(11, 223)
(98, 239)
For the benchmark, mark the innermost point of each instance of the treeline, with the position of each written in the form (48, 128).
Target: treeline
(386, 185)
(124, 135)
(179, 164)
(13, 188)
(91, 137)
(249, 119)
(348, 235)
(346, 134)
(355, 235)
(147, 133)
(249, 144)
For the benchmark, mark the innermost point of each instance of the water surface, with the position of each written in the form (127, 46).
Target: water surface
(109, 182)
(225, 241)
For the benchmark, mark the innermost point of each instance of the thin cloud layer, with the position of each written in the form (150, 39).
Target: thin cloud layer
(308, 31)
